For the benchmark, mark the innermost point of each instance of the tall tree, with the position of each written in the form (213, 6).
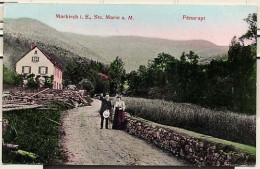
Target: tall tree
(116, 74)
(251, 33)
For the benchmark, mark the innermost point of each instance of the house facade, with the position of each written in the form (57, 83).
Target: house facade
(37, 62)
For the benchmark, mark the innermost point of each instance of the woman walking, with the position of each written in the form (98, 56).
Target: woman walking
(119, 117)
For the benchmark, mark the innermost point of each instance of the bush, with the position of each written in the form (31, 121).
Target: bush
(86, 84)
(225, 125)
(32, 82)
(48, 82)
(11, 78)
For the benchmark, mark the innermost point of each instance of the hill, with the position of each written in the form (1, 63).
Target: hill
(21, 33)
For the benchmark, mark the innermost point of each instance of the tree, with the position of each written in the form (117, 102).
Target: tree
(74, 73)
(226, 83)
(242, 68)
(193, 58)
(102, 85)
(86, 84)
(251, 34)
(133, 81)
(116, 74)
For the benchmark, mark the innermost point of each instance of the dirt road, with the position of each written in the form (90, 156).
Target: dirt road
(86, 144)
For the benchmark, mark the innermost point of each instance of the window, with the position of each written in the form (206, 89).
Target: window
(35, 52)
(26, 69)
(35, 59)
(43, 70)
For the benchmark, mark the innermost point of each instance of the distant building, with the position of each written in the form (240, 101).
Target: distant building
(37, 62)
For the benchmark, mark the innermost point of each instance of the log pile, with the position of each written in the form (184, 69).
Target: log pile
(197, 151)
(22, 99)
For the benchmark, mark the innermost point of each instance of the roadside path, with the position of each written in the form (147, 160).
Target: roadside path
(86, 144)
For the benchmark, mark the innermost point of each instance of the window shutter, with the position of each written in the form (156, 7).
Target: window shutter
(39, 69)
(22, 69)
(29, 69)
(46, 70)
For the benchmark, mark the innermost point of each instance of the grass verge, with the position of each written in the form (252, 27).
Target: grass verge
(36, 131)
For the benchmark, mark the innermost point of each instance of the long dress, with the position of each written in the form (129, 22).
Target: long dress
(119, 118)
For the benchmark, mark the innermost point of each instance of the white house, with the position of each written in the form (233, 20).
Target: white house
(37, 62)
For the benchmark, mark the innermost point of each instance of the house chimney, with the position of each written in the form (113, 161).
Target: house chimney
(32, 46)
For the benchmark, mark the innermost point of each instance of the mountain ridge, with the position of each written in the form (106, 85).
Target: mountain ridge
(133, 50)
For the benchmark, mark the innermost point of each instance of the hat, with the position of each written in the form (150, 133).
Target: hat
(106, 113)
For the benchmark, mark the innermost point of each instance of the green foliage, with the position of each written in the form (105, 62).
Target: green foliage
(48, 82)
(86, 84)
(102, 85)
(225, 125)
(34, 134)
(251, 34)
(11, 78)
(242, 69)
(32, 82)
(116, 76)
(74, 73)
(85, 71)
(25, 153)
(13, 157)
(227, 83)
(169, 78)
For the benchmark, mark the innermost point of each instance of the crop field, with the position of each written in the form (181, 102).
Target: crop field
(225, 125)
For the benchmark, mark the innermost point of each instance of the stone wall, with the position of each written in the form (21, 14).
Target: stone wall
(196, 151)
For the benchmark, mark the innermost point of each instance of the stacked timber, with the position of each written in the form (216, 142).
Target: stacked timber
(22, 99)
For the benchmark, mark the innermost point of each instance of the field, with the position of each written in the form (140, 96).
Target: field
(37, 134)
(225, 125)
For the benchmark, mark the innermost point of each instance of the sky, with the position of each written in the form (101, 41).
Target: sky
(221, 23)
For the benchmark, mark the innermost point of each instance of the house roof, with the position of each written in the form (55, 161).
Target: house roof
(48, 57)
(103, 76)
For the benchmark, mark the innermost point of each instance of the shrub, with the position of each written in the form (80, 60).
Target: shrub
(11, 78)
(32, 82)
(86, 84)
(48, 82)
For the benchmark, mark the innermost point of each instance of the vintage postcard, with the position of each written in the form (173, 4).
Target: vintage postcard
(146, 85)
